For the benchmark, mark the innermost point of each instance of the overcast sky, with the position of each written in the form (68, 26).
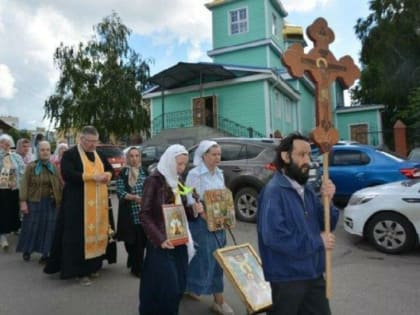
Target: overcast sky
(168, 31)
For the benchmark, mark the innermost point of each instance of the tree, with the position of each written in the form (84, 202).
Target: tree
(390, 38)
(17, 134)
(100, 84)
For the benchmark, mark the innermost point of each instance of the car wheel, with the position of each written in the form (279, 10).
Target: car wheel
(391, 233)
(246, 204)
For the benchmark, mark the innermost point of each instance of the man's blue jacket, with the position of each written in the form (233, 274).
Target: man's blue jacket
(289, 231)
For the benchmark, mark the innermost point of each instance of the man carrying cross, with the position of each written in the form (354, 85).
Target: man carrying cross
(293, 227)
(290, 232)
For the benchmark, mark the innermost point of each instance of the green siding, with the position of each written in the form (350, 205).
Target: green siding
(275, 60)
(283, 112)
(307, 110)
(248, 57)
(242, 103)
(259, 28)
(221, 27)
(277, 38)
(369, 117)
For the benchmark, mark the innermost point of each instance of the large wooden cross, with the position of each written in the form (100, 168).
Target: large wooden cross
(324, 69)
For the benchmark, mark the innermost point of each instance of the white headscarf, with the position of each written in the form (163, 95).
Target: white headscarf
(6, 137)
(167, 164)
(167, 167)
(59, 146)
(203, 147)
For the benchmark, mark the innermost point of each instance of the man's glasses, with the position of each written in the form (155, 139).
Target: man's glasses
(90, 140)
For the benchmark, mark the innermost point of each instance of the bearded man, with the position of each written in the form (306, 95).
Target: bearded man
(290, 227)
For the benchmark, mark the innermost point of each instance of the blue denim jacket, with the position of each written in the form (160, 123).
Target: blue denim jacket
(289, 231)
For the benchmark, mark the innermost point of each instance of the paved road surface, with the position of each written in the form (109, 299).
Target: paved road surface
(364, 282)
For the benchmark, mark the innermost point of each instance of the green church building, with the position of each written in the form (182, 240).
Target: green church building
(246, 90)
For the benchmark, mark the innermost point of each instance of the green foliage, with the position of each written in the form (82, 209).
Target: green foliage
(411, 115)
(390, 53)
(100, 84)
(18, 134)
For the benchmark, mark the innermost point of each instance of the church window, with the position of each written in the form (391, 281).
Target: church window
(274, 26)
(238, 21)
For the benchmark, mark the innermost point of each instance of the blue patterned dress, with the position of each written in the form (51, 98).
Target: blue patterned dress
(205, 276)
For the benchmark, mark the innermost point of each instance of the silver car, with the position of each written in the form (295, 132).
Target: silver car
(247, 165)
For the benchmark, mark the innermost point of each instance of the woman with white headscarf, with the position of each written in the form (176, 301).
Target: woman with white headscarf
(12, 168)
(130, 191)
(164, 272)
(57, 156)
(205, 276)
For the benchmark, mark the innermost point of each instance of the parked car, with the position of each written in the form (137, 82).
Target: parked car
(414, 154)
(356, 166)
(150, 155)
(387, 215)
(114, 155)
(247, 167)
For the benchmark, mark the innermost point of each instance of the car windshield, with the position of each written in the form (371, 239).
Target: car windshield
(391, 156)
(414, 154)
(110, 152)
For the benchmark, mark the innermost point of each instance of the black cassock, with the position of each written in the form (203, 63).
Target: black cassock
(67, 252)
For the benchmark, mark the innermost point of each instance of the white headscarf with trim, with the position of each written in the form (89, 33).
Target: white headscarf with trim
(167, 164)
(203, 147)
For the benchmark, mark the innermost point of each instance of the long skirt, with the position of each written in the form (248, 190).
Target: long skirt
(135, 250)
(9, 211)
(205, 276)
(163, 280)
(38, 227)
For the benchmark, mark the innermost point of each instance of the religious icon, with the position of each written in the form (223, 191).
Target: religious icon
(242, 266)
(7, 178)
(175, 224)
(220, 209)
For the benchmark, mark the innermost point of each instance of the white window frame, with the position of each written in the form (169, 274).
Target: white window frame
(274, 25)
(240, 24)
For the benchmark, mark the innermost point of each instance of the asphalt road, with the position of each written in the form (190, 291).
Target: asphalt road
(364, 282)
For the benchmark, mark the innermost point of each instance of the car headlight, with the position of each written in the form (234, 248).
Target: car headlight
(360, 199)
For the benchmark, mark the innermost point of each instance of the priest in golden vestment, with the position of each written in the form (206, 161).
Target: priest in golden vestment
(84, 222)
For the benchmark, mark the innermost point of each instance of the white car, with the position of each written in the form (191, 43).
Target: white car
(387, 215)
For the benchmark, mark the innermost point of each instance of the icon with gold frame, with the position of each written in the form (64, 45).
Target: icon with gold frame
(243, 268)
(220, 209)
(175, 224)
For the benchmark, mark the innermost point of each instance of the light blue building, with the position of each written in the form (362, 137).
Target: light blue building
(246, 90)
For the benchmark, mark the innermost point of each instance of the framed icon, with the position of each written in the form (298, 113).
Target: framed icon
(220, 209)
(175, 224)
(242, 267)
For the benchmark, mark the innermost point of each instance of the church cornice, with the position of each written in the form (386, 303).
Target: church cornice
(257, 43)
(358, 108)
(276, 4)
(264, 75)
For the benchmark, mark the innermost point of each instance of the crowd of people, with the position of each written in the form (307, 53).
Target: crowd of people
(60, 205)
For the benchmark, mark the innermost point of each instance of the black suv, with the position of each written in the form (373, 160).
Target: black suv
(247, 167)
(114, 155)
